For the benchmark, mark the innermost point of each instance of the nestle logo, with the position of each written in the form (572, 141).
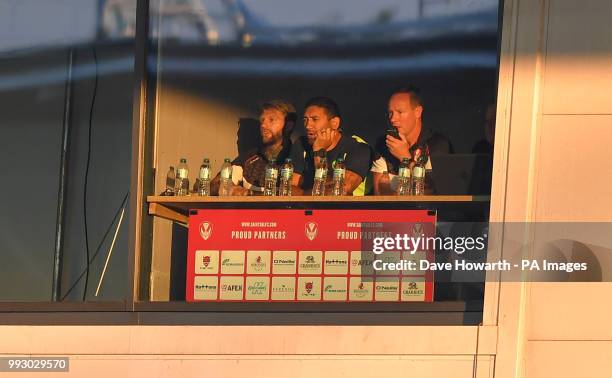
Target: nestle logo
(386, 288)
(282, 261)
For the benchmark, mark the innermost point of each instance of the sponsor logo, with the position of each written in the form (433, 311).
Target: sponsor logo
(361, 262)
(335, 262)
(206, 261)
(206, 229)
(206, 287)
(282, 289)
(227, 287)
(361, 291)
(310, 263)
(308, 286)
(386, 288)
(412, 289)
(257, 288)
(227, 262)
(330, 289)
(311, 230)
(284, 261)
(259, 264)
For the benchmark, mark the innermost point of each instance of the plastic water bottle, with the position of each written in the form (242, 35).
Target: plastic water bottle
(417, 179)
(225, 185)
(403, 178)
(204, 178)
(170, 182)
(270, 178)
(286, 178)
(318, 187)
(182, 175)
(339, 172)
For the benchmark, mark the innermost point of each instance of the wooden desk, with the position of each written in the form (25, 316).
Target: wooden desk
(177, 208)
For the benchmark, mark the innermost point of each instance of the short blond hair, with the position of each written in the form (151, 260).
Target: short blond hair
(282, 106)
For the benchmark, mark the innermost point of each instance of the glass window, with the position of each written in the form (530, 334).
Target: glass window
(216, 62)
(66, 70)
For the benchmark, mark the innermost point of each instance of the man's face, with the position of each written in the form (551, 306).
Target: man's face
(403, 115)
(272, 122)
(316, 119)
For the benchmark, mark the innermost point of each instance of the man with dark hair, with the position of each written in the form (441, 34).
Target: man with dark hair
(277, 119)
(404, 110)
(325, 138)
(485, 146)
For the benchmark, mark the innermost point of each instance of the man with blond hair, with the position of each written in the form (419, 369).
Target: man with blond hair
(277, 119)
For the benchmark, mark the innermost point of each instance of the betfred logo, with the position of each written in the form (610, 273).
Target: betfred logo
(206, 230)
(311, 230)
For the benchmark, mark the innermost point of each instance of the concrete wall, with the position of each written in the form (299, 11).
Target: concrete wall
(554, 91)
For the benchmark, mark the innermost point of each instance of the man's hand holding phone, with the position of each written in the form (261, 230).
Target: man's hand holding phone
(397, 144)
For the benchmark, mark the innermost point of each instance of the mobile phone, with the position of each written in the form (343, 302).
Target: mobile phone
(392, 131)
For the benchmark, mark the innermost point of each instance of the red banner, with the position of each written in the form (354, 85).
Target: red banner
(298, 255)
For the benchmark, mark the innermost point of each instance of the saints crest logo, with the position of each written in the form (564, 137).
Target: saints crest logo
(417, 229)
(311, 230)
(206, 230)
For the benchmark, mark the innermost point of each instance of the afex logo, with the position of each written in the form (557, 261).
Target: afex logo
(206, 229)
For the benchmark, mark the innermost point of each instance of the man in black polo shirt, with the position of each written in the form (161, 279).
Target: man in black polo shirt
(405, 110)
(277, 119)
(324, 137)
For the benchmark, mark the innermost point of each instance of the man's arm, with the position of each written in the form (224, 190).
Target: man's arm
(236, 190)
(351, 182)
(381, 178)
(296, 184)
